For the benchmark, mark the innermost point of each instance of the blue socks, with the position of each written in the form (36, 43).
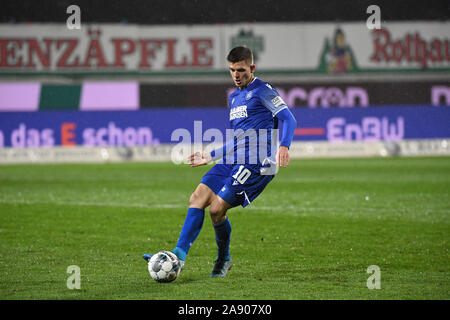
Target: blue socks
(190, 231)
(223, 236)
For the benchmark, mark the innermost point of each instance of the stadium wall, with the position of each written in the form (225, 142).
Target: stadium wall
(132, 95)
(167, 152)
(117, 92)
(133, 50)
(158, 126)
(151, 135)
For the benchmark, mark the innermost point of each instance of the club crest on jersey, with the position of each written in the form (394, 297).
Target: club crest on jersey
(238, 112)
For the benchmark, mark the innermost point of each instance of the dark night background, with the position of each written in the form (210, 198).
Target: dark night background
(206, 11)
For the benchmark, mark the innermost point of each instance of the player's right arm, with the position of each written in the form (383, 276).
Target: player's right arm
(200, 158)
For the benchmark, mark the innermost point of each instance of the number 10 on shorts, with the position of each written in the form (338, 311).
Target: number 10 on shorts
(242, 174)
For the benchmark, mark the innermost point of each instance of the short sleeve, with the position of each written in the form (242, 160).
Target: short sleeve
(271, 99)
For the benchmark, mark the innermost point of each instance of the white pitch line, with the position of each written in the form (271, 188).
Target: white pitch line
(182, 206)
(95, 204)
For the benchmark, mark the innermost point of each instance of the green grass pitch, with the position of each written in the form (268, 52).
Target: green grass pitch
(311, 234)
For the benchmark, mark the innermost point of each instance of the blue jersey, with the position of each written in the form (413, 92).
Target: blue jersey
(254, 125)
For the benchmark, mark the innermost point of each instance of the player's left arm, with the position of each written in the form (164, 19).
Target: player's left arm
(272, 101)
(289, 125)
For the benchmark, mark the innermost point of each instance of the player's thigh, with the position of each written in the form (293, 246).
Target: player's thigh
(201, 197)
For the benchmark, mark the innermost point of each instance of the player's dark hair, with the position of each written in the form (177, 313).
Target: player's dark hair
(240, 53)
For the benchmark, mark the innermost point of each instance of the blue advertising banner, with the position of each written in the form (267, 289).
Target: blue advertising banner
(373, 124)
(156, 126)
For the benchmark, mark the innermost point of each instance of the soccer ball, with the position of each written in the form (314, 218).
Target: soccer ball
(164, 266)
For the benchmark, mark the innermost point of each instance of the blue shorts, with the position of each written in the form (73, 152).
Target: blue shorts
(236, 184)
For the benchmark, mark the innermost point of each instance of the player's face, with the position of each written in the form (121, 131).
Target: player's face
(242, 73)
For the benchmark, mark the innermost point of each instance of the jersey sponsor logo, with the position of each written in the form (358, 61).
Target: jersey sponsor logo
(277, 101)
(238, 112)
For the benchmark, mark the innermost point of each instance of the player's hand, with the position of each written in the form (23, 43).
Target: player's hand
(199, 158)
(283, 157)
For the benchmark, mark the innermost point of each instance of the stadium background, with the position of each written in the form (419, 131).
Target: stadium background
(116, 90)
(162, 63)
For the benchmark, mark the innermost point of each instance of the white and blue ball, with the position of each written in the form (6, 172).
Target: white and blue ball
(164, 266)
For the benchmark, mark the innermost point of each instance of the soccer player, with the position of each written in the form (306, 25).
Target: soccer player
(241, 172)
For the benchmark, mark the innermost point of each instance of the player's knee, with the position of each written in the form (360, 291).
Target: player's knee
(217, 213)
(199, 199)
(214, 211)
(195, 198)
